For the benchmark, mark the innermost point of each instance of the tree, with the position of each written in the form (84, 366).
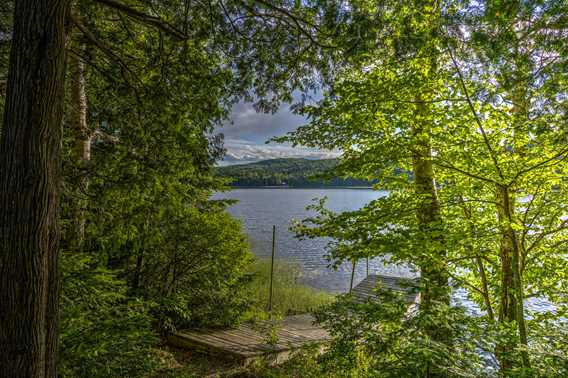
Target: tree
(30, 149)
(29, 190)
(498, 152)
(407, 47)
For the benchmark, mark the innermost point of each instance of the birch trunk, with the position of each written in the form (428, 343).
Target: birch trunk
(81, 150)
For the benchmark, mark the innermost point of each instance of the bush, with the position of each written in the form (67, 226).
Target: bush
(103, 332)
(378, 339)
(196, 272)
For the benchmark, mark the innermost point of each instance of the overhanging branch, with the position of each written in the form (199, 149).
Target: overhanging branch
(147, 19)
(107, 50)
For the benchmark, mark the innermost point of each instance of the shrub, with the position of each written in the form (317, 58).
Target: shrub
(103, 332)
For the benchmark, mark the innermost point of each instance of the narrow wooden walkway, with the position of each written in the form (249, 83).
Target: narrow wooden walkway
(248, 342)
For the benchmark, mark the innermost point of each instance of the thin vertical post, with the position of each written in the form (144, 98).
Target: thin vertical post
(367, 266)
(352, 276)
(270, 293)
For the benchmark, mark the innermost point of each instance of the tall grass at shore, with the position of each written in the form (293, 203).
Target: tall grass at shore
(290, 296)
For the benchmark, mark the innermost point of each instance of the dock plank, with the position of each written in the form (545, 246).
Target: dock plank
(247, 342)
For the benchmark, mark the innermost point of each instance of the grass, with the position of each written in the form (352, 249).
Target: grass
(290, 296)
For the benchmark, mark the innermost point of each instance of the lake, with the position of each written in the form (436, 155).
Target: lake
(260, 208)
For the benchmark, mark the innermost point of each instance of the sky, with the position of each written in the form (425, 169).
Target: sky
(247, 131)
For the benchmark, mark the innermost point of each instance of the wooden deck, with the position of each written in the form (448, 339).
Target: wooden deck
(249, 342)
(366, 289)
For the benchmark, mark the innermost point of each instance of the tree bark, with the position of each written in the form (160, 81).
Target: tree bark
(507, 300)
(30, 149)
(434, 276)
(517, 288)
(504, 351)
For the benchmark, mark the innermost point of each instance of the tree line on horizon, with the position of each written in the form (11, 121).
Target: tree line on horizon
(288, 172)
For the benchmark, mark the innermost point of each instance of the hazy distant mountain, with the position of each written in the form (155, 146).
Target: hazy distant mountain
(293, 172)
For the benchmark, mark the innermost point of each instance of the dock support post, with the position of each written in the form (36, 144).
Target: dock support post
(352, 275)
(272, 271)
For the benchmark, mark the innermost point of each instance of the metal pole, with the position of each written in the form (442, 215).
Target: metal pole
(272, 271)
(352, 276)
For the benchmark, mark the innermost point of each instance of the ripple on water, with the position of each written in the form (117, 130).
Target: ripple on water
(259, 209)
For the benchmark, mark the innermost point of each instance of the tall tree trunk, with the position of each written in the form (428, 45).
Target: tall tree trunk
(435, 288)
(433, 271)
(512, 297)
(507, 300)
(517, 287)
(81, 150)
(29, 190)
(434, 279)
(507, 303)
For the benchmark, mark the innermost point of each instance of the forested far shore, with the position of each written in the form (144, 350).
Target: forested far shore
(289, 172)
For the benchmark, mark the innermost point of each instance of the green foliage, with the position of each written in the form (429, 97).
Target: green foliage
(475, 89)
(381, 339)
(104, 333)
(303, 363)
(197, 278)
(290, 295)
(287, 172)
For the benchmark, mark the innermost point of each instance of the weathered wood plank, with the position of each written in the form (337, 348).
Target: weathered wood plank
(365, 290)
(247, 342)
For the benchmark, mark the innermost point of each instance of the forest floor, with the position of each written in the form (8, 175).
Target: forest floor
(181, 363)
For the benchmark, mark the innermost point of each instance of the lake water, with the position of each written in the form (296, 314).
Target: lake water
(260, 208)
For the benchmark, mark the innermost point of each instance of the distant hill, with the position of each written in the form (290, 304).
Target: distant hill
(291, 172)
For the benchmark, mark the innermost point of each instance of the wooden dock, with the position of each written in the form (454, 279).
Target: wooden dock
(248, 342)
(366, 289)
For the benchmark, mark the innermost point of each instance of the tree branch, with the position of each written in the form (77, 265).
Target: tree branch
(107, 50)
(538, 165)
(475, 115)
(464, 172)
(147, 19)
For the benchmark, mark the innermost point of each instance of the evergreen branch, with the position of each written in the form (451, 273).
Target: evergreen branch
(300, 23)
(106, 49)
(147, 19)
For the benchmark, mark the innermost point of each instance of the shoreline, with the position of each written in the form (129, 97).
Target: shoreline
(303, 187)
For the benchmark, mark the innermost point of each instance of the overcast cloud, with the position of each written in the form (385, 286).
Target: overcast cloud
(245, 137)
